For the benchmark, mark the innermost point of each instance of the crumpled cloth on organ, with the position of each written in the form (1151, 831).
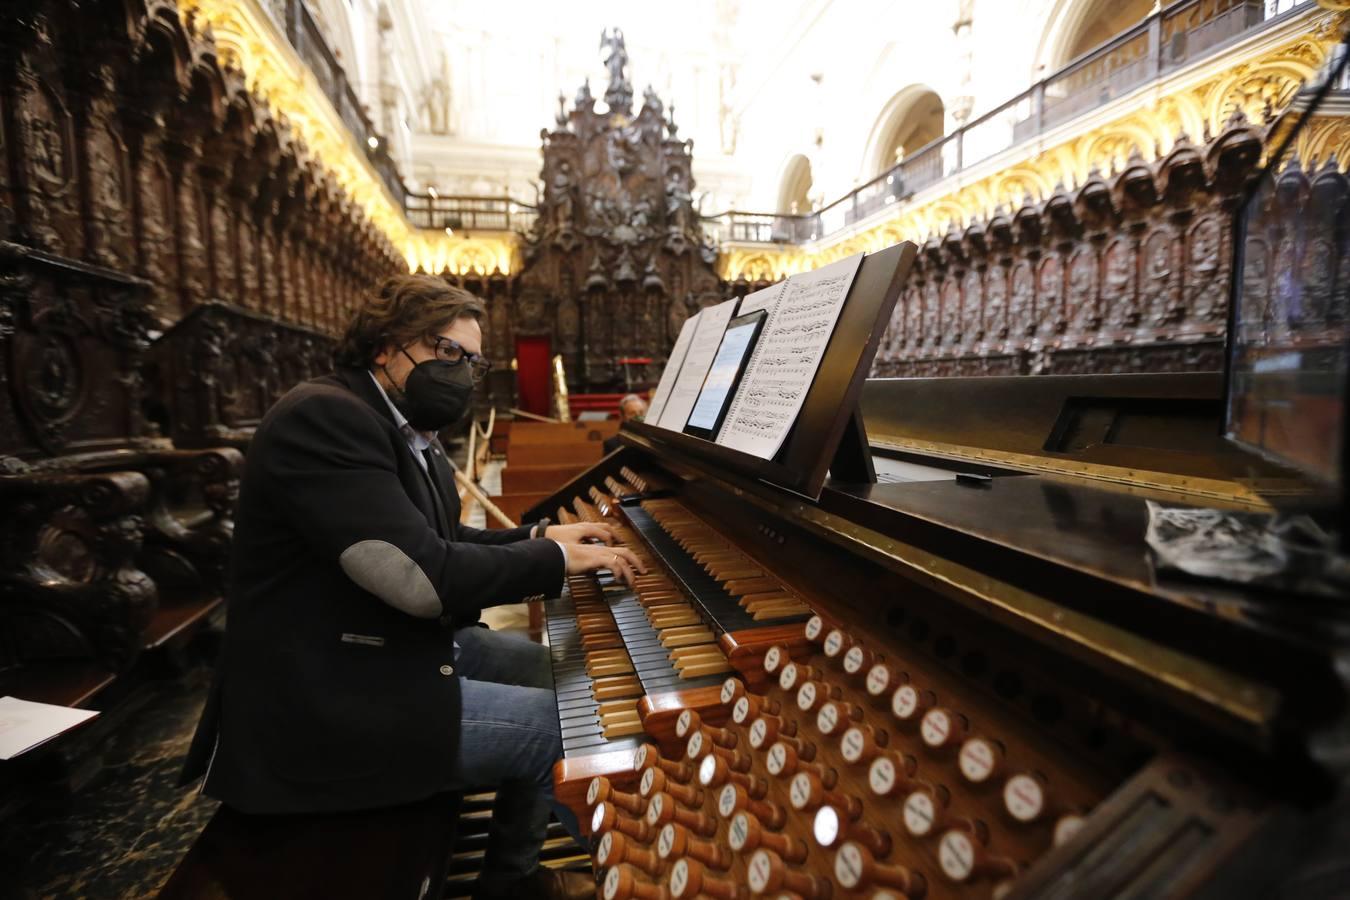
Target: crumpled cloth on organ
(1259, 549)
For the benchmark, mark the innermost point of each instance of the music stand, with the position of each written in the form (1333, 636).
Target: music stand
(828, 436)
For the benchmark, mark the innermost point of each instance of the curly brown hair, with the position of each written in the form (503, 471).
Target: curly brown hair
(403, 309)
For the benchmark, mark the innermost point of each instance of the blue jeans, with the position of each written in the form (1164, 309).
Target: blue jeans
(509, 740)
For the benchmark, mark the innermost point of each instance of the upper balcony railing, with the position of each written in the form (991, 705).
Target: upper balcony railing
(303, 32)
(1182, 33)
(462, 214)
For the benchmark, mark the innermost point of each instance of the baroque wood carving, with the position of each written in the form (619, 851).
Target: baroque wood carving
(616, 260)
(171, 260)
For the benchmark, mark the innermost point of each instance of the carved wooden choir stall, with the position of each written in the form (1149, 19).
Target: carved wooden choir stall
(1124, 273)
(171, 261)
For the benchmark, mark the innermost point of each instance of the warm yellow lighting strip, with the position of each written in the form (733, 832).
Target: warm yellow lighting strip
(431, 251)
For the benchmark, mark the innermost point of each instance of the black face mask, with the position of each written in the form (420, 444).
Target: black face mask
(436, 395)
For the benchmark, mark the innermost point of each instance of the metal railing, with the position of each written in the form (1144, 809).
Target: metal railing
(460, 213)
(304, 35)
(1182, 33)
(758, 228)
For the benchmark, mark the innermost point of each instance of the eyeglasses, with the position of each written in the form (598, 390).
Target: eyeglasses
(453, 352)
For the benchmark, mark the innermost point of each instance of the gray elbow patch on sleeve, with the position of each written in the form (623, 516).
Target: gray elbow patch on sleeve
(390, 574)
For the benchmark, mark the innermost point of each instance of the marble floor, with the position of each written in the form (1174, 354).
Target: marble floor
(122, 834)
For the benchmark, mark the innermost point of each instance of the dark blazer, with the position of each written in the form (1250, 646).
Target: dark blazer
(336, 686)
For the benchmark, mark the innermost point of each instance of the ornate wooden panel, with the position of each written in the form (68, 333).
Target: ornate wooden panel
(222, 366)
(47, 174)
(994, 329)
(1022, 306)
(72, 351)
(1048, 317)
(1161, 293)
(972, 288)
(1081, 314)
(1205, 291)
(1119, 303)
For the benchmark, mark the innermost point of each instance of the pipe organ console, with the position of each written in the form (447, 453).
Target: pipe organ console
(933, 686)
(611, 647)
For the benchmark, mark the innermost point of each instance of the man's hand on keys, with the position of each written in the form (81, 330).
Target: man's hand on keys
(594, 557)
(580, 532)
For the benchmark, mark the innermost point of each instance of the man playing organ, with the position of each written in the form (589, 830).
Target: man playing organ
(355, 673)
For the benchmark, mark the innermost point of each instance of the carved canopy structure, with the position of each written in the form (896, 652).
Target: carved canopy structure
(616, 260)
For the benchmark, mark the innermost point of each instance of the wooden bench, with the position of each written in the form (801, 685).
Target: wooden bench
(579, 454)
(398, 853)
(533, 479)
(560, 433)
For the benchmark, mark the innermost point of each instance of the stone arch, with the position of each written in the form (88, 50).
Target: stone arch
(1324, 139)
(912, 118)
(1020, 185)
(947, 213)
(758, 268)
(1110, 149)
(1270, 84)
(794, 186)
(471, 258)
(1078, 26)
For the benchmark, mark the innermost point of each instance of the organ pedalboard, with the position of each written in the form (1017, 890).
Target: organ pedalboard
(755, 718)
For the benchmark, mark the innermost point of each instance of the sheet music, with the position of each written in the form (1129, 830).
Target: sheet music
(25, 724)
(702, 348)
(764, 298)
(784, 363)
(672, 370)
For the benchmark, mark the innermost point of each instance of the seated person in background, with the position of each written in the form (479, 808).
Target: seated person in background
(354, 674)
(632, 408)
